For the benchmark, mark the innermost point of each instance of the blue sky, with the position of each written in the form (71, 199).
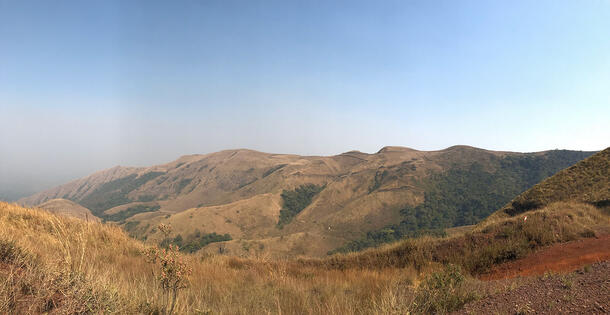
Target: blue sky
(86, 85)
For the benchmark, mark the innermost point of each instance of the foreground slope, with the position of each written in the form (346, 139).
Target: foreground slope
(393, 193)
(60, 265)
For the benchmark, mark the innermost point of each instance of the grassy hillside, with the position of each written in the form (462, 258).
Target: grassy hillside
(569, 205)
(57, 265)
(464, 196)
(587, 181)
(486, 245)
(367, 198)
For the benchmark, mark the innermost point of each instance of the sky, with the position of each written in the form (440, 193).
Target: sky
(87, 85)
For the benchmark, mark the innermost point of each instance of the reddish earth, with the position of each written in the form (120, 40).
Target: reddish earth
(563, 257)
(584, 291)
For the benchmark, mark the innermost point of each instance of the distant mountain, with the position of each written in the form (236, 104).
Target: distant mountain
(324, 202)
(68, 208)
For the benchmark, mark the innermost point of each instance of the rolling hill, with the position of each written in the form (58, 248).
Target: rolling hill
(68, 208)
(354, 196)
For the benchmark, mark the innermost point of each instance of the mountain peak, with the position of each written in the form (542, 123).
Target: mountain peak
(388, 149)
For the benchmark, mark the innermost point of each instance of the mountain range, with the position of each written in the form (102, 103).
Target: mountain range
(244, 202)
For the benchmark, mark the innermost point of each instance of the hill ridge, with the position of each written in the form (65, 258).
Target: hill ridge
(362, 192)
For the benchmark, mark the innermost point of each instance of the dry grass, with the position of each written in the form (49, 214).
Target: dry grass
(73, 266)
(60, 265)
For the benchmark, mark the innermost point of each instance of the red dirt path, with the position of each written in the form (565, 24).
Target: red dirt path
(564, 257)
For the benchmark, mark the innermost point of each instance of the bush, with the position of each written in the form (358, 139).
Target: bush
(442, 292)
(172, 274)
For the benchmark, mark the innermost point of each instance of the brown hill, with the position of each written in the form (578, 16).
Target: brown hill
(68, 208)
(239, 192)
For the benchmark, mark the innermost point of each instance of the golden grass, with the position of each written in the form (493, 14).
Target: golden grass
(118, 279)
(66, 265)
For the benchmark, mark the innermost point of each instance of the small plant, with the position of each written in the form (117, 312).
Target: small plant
(172, 271)
(566, 282)
(442, 292)
(523, 309)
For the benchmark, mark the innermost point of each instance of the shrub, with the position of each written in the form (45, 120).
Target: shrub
(172, 271)
(442, 292)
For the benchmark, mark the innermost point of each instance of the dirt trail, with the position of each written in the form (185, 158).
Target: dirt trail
(557, 258)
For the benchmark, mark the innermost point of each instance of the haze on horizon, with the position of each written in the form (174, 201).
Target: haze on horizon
(86, 86)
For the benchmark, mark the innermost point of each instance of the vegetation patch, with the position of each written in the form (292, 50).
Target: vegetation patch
(297, 200)
(129, 212)
(273, 169)
(443, 292)
(114, 193)
(378, 180)
(389, 234)
(195, 241)
(183, 183)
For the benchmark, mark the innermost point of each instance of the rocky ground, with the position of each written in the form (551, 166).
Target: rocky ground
(584, 291)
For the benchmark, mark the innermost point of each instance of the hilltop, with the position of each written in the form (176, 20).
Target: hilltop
(231, 201)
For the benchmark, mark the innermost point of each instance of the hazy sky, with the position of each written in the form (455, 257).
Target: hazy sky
(86, 85)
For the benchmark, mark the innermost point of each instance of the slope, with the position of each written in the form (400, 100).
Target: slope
(571, 207)
(69, 208)
(587, 181)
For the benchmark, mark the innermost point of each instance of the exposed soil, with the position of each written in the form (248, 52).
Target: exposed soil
(586, 291)
(563, 257)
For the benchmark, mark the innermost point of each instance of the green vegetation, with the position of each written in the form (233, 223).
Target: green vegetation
(146, 198)
(273, 169)
(466, 195)
(195, 241)
(297, 200)
(183, 183)
(389, 234)
(129, 212)
(443, 292)
(378, 180)
(114, 193)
